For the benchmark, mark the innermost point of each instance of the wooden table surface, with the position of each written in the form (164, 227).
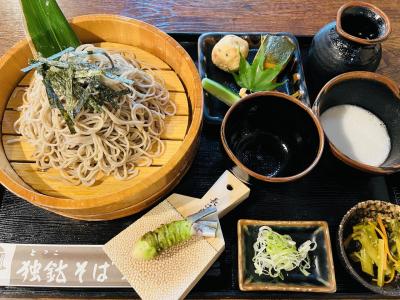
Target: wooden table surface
(301, 17)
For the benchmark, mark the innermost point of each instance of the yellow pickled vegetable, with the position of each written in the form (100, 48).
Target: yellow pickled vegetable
(380, 247)
(382, 263)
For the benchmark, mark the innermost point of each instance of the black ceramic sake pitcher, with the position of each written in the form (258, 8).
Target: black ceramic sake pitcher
(351, 43)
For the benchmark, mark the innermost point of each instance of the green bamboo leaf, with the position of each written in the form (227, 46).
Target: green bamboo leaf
(47, 27)
(242, 78)
(258, 61)
(267, 75)
(268, 62)
(266, 86)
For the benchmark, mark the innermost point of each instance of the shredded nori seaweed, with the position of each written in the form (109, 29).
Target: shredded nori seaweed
(79, 85)
(55, 102)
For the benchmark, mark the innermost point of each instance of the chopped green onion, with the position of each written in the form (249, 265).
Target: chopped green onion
(274, 253)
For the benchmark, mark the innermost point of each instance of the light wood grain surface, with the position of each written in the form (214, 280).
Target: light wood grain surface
(302, 17)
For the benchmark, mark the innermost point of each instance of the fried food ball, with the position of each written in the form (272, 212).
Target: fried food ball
(225, 54)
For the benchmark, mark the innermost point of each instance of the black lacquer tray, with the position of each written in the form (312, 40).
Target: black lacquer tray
(325, 194)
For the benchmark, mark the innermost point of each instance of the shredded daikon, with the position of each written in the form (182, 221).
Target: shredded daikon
(274, 252)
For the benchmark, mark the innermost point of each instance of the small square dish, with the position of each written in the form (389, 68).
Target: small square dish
(322, 273)
(293, 74)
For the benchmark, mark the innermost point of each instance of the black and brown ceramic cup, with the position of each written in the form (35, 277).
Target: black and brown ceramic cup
(272, 137)
(375, 93)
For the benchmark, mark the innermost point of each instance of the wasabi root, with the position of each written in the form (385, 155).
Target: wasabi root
(153, 243)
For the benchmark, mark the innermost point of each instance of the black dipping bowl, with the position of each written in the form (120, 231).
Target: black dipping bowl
(272, 137)
(359, 212)
(375, 93)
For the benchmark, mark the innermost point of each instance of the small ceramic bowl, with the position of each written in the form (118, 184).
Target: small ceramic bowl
(322, 273)
(375, 93)
(366, 210)
(272, 137)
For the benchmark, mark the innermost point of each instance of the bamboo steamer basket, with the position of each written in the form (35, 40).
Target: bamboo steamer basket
(108, 198)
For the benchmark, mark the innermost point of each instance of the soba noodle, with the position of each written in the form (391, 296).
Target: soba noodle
(113, 142)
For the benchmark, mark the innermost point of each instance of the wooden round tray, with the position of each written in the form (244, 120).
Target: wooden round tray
(108, 198)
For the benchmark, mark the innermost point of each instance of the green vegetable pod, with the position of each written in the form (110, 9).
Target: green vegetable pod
(219, 91)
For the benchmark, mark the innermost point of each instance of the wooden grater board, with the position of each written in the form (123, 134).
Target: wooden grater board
(174, 273)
